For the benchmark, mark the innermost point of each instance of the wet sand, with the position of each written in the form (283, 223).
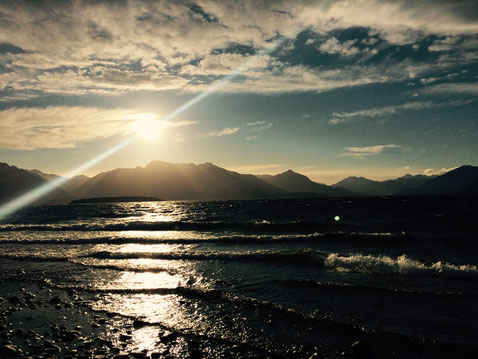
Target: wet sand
(38, 320)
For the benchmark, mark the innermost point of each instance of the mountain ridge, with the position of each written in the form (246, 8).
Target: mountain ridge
(188, 181)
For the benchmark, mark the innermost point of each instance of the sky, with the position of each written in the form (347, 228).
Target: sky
(329, 89)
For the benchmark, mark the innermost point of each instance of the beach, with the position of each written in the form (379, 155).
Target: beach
(392, 277)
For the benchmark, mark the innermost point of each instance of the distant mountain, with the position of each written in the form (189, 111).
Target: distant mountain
(462, 180)
(69, 186)
(15, 182)
(366, 187)
(170, 181)
(47, 176)
(74, 183)
(294, 182)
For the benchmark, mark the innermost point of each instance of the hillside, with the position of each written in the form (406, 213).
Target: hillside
(15, 182)
(366, 187)
(177, 182)
(462, 180)
(294, 182)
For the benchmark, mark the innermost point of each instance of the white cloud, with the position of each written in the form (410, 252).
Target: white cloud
(361, 152)
(224, 132)
(257, 123)
(333, 46)
(260, 126)
(453, 88)
(342, 117)
(433, 172)
(101, 47)
(66, 127)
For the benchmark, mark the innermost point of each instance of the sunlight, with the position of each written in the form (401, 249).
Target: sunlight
(148, 128)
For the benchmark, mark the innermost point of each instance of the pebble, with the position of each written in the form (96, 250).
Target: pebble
(55, 300)
(168, 336)
(125, 337)
(10, 351)
(139, 323)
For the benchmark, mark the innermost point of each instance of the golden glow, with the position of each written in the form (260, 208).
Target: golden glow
(148, 128)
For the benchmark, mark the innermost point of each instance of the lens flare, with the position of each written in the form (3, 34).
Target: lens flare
(146, 126)
(37, 193)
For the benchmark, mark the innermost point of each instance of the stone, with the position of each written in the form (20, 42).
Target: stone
(55, 300)
(10, 351)
(168, 336)
(14, 299)
(195, 354)
(139, 323)
(125, 337)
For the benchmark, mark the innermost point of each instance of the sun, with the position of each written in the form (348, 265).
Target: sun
(147, 128)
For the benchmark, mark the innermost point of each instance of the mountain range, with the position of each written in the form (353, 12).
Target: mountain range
(181, 181)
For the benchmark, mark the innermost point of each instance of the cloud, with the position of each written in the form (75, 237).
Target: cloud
(342, 117)
(361, 152)
(464, 88)
(250, 138)
(224, 132)
(257, 123)
(258, 169)
(437, 172)
(333, 46)
(66, 127)
(85, 47)
(259, 126)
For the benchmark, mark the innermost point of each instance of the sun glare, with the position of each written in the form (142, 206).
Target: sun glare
(147, 128)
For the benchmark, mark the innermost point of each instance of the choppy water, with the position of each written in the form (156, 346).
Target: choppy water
(276, 274)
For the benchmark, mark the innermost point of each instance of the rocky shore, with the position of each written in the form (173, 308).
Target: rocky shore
(41, 321)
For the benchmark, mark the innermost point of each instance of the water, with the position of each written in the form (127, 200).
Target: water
(283, 276)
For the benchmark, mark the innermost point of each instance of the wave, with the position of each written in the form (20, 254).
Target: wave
(292, 257)
(366, 264)
(236, 239)
(401, 265)
(260, 226)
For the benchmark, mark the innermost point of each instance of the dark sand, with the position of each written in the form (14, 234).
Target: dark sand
(41, 321)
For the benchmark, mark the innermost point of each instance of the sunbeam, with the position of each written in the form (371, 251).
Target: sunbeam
(35, 194)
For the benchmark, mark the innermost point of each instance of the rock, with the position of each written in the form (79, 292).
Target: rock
(10, 351)
(125, 337)
(139, 323)
(71, 353)
(139, 355)
(168, 336)
(70, 335)
(361, 350)
(122, 356)
(55, 300)
(14, 299)
(195, 354)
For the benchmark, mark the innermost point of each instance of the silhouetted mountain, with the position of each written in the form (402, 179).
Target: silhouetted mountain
(294, 182)
(367, 187)
(74, 182)
(47, 176)
(69, 186)
(176, 182)
(462, 180)
(15, 182)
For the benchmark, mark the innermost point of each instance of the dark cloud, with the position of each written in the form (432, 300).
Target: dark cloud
(7, 48)
(205, 16)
